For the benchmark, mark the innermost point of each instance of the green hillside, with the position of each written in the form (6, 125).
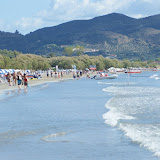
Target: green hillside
(112, 34)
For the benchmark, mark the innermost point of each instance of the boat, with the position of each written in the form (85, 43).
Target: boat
(155, 69)
(133, 71)
(106, 77)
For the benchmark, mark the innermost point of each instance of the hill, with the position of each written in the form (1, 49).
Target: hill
(112, 34)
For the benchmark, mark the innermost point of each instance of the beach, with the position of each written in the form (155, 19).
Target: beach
(77, 120)
(35, 81)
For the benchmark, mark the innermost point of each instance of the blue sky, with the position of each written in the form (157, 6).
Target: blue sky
(29, 15)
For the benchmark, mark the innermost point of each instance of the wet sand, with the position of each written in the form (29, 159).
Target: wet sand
(34, 82)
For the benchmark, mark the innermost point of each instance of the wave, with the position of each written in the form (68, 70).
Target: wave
(135, 111)
(118, 84)
(113, 116)
(49, 137)
(11, 135)
(139, 91)
(146, 135)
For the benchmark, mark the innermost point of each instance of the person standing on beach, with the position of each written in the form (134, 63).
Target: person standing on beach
(81, 73)
(74, 75)
(78, 74)
(51, 74)
(25, 80)
(14, 79)
(61, 74)
(19, 79)
(47, 74)
(55, 74)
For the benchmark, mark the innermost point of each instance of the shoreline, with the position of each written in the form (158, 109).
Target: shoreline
(5, 87)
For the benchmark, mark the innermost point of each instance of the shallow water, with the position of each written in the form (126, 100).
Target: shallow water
(135, 109)
(64, 121)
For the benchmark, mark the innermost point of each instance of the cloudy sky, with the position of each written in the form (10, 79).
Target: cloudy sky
(29, 15)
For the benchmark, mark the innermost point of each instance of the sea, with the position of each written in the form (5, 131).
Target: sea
(83, 119)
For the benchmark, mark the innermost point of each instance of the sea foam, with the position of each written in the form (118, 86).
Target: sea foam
(135, 111)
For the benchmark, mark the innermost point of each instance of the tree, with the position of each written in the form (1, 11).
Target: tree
(6, 61)
(1, 62)
(51, 55)
(68, 51)
(17, 32)
(79, 50)
(126, 63)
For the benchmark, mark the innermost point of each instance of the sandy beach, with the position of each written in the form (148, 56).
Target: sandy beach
(5, 87)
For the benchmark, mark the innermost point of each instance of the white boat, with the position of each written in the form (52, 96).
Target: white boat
(106, 77)
(133, 71)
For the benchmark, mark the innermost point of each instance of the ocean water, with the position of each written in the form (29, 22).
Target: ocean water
(135, 109)
(83, 120)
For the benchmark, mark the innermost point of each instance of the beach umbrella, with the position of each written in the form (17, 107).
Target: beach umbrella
(17, 70)
(6, 71)
(1, 72)
(28, 71)
(11, 71)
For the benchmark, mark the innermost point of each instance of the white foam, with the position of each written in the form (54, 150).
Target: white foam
(128, 90)
(135, 103)
(154, 76)
(113, 116)
(118, 84)
(147, 136)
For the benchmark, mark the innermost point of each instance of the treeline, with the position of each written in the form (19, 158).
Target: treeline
(17, 60)
(22, 61)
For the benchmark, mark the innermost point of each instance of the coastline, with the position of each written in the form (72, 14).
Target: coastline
(5, 87)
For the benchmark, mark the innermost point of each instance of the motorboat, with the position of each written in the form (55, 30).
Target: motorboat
(101, 77)
(133, 71)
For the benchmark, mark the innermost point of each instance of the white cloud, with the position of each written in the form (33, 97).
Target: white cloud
(26, 23)
(5, 27)
(77, 9)
(1, 23)
(138, 16)
(60, 11)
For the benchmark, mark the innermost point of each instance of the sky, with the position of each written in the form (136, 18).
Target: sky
(29, 15)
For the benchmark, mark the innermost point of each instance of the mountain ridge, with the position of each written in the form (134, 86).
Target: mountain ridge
(114, 33)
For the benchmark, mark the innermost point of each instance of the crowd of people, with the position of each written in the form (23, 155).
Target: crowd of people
(78, 74)
(54, 74)
(18, 79)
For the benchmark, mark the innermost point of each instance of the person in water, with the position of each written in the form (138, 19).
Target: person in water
(14, 79)
(19, 79)
(9, 76)
(25, 80)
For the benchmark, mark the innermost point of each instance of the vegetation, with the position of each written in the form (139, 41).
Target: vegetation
(16, 60)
